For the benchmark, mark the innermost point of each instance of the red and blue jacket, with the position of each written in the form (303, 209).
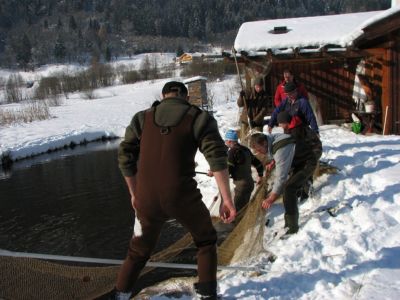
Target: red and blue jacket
(301, 112)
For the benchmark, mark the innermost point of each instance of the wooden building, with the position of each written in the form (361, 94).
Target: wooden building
(197, 88)
(184, 58)
(334, 56)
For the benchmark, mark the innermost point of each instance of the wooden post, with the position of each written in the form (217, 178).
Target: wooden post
(384, 122)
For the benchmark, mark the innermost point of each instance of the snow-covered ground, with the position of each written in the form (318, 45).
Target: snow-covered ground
(348, 246)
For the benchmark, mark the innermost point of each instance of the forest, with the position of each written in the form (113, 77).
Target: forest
(37, 32)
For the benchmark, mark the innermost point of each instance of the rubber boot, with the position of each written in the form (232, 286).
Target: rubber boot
(206, 290)
(292, 223)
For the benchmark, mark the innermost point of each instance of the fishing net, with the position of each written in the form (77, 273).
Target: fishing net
(29, 278)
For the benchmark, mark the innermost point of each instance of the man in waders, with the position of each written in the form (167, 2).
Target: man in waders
(291, 157)
(162, 186)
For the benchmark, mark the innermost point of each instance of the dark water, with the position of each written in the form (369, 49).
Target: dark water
(71, 203)
(74, 205)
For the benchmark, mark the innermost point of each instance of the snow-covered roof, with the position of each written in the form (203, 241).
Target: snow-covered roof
(196, 78)
(337, 30)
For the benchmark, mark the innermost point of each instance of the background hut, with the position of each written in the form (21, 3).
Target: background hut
(197, 87)
(343, 60)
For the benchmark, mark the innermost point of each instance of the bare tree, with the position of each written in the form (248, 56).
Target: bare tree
(13, 93)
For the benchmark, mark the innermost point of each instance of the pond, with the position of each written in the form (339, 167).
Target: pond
(72, 202)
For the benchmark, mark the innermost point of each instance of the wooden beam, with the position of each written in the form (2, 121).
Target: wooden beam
(299, 57)
(373, 52)
(382, 27)
(387, 92)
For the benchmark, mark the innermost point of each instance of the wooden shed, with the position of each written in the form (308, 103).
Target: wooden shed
(334, 56)
(197, 87)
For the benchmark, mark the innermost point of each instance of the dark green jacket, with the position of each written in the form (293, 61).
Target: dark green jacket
(240, 160)
(169, 113)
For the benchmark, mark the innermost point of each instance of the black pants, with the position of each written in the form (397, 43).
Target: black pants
(243, 190)
(294, 183)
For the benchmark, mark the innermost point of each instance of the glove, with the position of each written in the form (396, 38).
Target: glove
(242, 93)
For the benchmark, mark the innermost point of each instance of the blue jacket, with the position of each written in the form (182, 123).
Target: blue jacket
(301, 113)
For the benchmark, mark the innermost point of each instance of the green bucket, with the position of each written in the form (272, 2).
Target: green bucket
(356, 127)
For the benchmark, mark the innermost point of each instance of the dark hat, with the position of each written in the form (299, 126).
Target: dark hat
(258, 80)
(284, 117)
(176, 87)
(290, 87)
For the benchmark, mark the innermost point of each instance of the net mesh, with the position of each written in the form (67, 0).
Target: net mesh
(29, 278)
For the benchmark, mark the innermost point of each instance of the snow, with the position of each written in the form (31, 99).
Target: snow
(316, 32)
(196, 78)
(348, 246)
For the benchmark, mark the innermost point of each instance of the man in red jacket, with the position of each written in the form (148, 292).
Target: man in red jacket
(280, 94)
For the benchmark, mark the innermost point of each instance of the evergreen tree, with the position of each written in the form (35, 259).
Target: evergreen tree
(179, 51)
(23, 51)
(59, 24)
(59, 50)
(127, 25)
(108, 54)
(72, 23)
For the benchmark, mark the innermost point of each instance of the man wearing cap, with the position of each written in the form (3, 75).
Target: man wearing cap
(156, 159)
(303, 124)
(240, 160)
(280, 93)
(294, 163)
(254, 108)
(298, 108)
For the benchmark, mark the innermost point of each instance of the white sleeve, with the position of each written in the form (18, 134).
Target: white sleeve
(283, 162)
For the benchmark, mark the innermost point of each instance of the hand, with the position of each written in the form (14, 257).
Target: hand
(210, 173)
(269, 129)
(267, 203)
(270, 166)
(227, 211)
(242, 93)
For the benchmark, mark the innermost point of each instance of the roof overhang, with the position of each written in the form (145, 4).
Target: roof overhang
(321, 37)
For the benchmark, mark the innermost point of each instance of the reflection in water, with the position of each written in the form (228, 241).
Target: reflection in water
(76, 205)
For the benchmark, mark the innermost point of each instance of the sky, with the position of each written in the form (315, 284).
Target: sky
(348, 245)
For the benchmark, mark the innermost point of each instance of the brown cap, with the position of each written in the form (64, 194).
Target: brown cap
(176, 87)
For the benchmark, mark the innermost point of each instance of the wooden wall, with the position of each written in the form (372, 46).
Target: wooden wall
(198, 93)
(391, 98)
(331, 81)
